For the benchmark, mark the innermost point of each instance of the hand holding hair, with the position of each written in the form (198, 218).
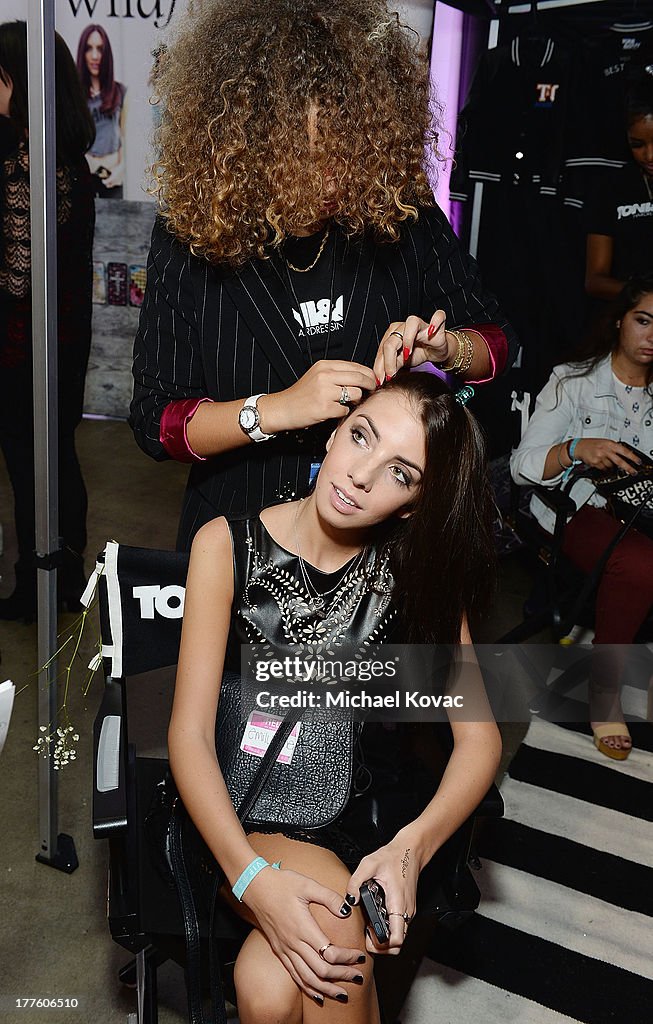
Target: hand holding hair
(412, 342)
(315, 397)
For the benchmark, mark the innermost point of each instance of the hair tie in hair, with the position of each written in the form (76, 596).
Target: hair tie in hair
(464, 394)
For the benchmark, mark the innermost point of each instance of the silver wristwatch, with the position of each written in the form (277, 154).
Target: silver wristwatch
(249, 421)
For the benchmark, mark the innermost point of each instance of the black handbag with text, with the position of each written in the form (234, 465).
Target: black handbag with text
(629, 495)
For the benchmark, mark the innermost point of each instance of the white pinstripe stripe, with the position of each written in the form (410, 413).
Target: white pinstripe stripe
(214, 326)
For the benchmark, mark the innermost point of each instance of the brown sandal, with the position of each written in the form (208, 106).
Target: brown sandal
(601, 733)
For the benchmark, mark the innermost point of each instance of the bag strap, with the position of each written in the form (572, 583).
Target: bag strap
(190, 920)
(596, 572)
(255, 788)
(180, 872)
(189, 911)
(252, 794)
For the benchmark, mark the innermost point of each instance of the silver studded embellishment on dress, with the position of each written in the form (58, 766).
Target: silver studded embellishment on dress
(302, 623)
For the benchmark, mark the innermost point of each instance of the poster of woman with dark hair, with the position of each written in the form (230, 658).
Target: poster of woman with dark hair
(106, 102)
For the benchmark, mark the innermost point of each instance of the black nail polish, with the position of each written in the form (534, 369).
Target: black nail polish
(369, 934)
(342, 998)
(351, 900)
(362, 958)
(345, 910)
(358, 979)
(319, 1000)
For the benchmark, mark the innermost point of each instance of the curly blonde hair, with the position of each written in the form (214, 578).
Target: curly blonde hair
(238, 168)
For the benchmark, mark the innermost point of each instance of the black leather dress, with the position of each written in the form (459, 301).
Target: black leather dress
(272, 603)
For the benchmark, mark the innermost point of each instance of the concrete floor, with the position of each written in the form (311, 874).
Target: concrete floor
(54, 940)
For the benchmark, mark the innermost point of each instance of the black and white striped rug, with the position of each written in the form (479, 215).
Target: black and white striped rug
(564, 930)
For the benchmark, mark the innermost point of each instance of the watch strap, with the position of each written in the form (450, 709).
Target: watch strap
(255, 432)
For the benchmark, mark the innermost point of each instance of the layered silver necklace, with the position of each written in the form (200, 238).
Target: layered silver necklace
(317, 602)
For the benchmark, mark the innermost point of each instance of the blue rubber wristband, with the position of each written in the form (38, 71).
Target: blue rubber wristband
(574, 461)
(249, 874)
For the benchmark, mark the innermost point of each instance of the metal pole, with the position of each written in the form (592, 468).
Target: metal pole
(53, 849)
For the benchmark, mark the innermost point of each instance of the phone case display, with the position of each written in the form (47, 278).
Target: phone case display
(117, 284)
(137, 279)
(99, 283)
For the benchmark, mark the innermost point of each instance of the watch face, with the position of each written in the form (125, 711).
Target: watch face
(248, 418)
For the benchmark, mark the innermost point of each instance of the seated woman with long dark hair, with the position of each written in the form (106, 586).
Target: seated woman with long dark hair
(588, 412)
(396, 535)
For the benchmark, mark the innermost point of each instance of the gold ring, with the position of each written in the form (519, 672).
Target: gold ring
(406, 917)
(322, 950)
(398, 333)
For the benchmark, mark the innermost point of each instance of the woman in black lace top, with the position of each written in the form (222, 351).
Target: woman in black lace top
(75, 223)
(396, 531)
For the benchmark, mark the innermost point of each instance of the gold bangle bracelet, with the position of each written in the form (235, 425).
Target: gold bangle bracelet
(452, 369)
(464, 355)
(466, 362)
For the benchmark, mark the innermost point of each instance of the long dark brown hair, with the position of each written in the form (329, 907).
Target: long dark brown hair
(603, 338)
(443, 557)
(75, 128)
(110, 90)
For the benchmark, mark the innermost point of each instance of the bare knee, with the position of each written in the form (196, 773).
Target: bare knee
(260, 1003)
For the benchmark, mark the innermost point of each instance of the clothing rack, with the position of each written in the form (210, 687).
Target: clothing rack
(607, 10)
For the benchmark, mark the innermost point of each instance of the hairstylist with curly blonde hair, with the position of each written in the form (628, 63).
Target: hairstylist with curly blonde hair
(299, 258)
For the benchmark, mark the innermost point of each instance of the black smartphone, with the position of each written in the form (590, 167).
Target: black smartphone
(373, 903)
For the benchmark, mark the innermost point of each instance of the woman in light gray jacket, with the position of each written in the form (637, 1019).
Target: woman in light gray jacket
(588, 412)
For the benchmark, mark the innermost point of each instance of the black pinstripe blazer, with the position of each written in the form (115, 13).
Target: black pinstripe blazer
(206, 330)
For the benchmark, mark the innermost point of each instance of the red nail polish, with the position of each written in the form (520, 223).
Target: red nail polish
(406, 353)
(431, 330)
(388, 377)
(378, 382)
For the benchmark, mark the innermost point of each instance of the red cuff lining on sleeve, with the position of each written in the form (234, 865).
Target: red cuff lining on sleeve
(173, 430)
(497, 346)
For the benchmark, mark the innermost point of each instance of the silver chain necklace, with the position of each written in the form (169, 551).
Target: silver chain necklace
(317, 601)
